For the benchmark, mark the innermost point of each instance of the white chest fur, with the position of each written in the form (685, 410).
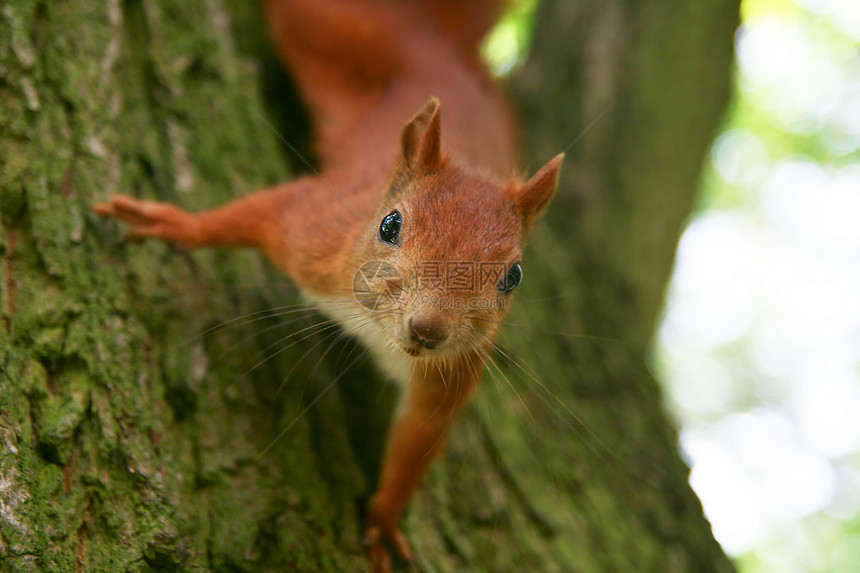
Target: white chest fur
(359, 322)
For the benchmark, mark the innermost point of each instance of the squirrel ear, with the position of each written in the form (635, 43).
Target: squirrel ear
(532, 197)
(421, 138)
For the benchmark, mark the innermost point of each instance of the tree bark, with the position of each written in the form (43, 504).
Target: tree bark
(135, 401)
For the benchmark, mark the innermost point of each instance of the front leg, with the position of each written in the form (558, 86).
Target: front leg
(270, 220)
(255, 220)
(154, 219)
(434, 396)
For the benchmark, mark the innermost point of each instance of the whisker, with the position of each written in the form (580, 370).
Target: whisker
(257, 333)
(253, 317)
(322, 326)
(567, 408)
(336, 335)
(491, 362)
(336, 332)
(301, 414)
(506, 322)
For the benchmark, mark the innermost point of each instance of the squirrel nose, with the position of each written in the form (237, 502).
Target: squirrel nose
(427, 331)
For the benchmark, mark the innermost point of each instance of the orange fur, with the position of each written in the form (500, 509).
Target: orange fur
(364, 66)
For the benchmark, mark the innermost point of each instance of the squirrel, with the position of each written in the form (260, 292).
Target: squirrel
(409, 237)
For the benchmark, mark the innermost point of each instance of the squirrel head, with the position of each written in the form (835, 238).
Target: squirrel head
(441, 258)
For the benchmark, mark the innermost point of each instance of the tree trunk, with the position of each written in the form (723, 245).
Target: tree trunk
(142, 429)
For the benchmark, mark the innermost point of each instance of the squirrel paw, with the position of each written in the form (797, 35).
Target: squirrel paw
(152, 219)
(376, 539)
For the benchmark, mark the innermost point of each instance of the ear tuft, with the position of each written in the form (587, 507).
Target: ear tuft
(421, 138)
(532, 197)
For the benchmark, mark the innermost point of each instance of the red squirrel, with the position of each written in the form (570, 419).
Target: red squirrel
(410, 236)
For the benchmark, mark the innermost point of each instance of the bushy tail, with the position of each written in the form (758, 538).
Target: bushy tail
(465, 22)
(352, 47)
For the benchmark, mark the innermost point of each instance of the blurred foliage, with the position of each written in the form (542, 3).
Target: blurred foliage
(759, 106)
(796, 112)
(507, 46)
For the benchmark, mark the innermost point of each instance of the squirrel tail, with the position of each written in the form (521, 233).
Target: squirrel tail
(465, 22)
(343, 50)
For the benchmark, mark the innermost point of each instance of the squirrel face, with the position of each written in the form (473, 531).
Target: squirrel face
(439, 263)
(450, 243)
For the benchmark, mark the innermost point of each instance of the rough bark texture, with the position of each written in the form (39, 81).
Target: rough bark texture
(130, 434)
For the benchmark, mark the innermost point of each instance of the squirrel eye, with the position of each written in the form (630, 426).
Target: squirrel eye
(389, 230)
(512, 280)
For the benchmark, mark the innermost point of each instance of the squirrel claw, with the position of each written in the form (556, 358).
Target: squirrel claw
(151, 219)
(380, 560)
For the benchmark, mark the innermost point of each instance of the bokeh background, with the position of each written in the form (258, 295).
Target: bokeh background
(759, 348)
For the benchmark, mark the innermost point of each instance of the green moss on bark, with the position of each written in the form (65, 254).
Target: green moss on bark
(131, 418)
